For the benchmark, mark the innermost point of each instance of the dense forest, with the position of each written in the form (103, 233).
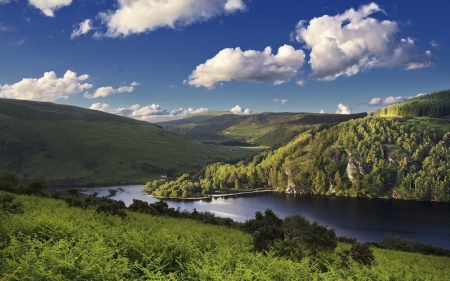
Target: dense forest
(434, 105)
(373, 156)
(50, 237)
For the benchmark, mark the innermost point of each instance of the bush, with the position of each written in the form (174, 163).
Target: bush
(9, 181)
(8, 204)
(361, 253)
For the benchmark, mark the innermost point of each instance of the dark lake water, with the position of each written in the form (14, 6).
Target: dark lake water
(365, 219)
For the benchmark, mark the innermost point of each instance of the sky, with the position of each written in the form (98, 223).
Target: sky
(157, 60)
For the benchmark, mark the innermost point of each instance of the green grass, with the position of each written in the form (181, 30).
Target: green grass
(70, 145)
(51, 241)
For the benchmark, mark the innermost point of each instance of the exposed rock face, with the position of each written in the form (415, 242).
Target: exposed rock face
(296, 188)
(354, 166)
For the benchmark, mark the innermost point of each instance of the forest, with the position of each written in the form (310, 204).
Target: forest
(371, 157)
(51, 237)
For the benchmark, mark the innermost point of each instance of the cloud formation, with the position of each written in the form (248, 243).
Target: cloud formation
(83, 28)
(107, 91)
(343, 109)
(49, 6)
(238, 110)
(353, 41)
(391, 100)
(248, 65)
(46, 88)
(137, 16)
(151, 113)
(3, 2)
(5, 27)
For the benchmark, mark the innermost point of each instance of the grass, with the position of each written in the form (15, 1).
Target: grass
(54, 242)
(72, 146)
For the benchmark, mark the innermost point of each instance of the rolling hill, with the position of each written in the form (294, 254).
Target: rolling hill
(76, 146)
(268, 129)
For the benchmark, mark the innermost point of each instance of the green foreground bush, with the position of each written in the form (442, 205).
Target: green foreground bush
(52, 241)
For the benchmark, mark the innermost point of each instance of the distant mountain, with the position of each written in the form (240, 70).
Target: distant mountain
(434, 105)
(268, 128)
(72, 145)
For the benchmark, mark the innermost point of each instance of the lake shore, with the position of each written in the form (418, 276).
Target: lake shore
(222, 195)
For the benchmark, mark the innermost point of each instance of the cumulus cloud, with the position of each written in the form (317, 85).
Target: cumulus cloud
(321, 111)
(100, 106)
(3, 2)
(392, 100)
(375, 101)
(347, 43)
(238, 110)
(150, 113)
(248, 65)
(301, 83)
(343, 109)
(83, 28)
(47, 88)
(107, 91)
(49, 6)
(139, 16)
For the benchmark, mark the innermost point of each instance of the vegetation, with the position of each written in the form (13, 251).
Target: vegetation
(53, 241)
(266, 129)
(76, 146)
(373, 156)
(434, 105)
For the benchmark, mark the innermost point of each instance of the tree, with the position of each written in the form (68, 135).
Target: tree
(8, 180)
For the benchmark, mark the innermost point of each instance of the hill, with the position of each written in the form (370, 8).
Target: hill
(434, 105)
(371, 157)
(267, 129)
(76, 146)
(52, 241)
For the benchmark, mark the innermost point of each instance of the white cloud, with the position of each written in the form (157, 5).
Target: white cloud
(343, 109)
(321, 111)
(139, 16)
(3, 2)
(83, 28)
(353, 41)
(238, 110)
(249, 65)
(49, 6)
(280, 101)
(47, 88)
(375, 101)
(151, 113)
(100, 106)
(392, 100)
(107, 91)
(301, 83)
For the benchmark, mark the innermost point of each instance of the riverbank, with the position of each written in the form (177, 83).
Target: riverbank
(222, 195)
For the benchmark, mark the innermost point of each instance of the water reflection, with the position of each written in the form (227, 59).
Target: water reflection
(365, 219)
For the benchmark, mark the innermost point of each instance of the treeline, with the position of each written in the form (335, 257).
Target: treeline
(373, 156)
(434, 105)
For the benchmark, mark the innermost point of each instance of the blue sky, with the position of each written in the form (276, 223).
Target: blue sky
(156, 60)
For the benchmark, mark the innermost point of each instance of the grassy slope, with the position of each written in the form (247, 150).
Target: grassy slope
(73, 145)
(54, 242)
(269, 129)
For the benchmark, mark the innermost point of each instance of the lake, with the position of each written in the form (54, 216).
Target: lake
(362, 218)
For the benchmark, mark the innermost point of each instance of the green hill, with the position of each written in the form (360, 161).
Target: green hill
(268, 129)
(371, 157)
(434, 105)
(71, 145)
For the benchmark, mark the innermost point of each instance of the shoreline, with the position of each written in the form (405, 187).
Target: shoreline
(213, 195)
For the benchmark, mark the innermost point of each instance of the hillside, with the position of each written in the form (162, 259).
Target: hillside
(71, 145)
(372, 157)
(51, 241)
(268, 129)
(433, 105)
